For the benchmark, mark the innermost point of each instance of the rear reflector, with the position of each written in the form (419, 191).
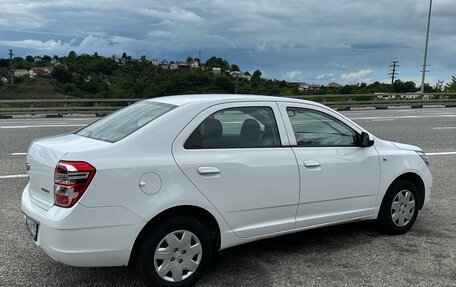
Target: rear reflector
(71, 179)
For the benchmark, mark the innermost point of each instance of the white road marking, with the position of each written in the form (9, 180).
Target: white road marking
(35, 121)
(13, 176)
(383, 120)
(442, 153)
(19, 153)
(444, 128)
(39, 126)
(405, 117)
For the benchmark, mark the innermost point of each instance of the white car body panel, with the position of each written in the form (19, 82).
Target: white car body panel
(259, 193)
(343, 184)
(256, 190)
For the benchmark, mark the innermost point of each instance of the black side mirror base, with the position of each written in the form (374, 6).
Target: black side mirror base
(364, 140)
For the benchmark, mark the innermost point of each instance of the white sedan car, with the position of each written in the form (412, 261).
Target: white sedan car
(164, 183)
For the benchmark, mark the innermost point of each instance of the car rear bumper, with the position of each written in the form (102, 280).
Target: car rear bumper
(85, 236)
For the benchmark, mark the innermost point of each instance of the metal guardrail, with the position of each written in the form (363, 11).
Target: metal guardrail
(58, 107)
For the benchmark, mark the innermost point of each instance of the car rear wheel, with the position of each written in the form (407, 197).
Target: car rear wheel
(175, 253)
(399, 208)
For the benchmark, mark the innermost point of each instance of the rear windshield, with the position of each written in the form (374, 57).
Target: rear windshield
(120, 124)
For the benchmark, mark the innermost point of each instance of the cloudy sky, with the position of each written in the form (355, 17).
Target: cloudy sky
(317, 41)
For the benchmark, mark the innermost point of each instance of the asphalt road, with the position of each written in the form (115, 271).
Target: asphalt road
(346, 255)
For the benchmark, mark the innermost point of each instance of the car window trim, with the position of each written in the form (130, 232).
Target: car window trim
(286, 107)
(236, 147)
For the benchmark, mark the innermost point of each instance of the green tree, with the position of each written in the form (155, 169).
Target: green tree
(235, 67)
(215, 62)
(257, 74)
(62, 75)
(404, 87)
(451, 86)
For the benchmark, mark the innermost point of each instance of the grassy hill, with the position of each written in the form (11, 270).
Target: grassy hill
(38, 88)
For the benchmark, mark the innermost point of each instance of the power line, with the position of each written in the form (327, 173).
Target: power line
(394, 65)
(10, 53)
(426, 48)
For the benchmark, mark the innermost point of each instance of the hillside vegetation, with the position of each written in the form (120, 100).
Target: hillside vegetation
(93, 76)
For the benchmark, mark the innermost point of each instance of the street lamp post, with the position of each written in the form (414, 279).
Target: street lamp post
(426, 48)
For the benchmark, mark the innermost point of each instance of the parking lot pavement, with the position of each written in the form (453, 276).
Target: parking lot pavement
(346, 255)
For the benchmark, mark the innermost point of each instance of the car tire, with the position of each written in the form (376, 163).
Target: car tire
(399, 208)
(170, 256)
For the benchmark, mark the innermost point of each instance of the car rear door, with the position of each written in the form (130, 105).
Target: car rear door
(238, 156)
(339, 180)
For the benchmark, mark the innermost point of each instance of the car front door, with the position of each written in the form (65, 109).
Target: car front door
(238, 156)
(339, 179)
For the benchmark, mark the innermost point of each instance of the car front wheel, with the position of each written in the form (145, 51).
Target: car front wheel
(399, 208)
(175, 253)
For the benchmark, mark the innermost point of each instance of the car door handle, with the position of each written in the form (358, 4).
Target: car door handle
(311, 163)
(209, 170)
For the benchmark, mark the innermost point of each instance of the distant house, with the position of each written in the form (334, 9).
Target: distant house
(184, 66)
(174, 66)
(37, 59)
(53, 61)
(303, 87)
(335, 85)
(154, 62)
(21, 73)
(40, 71)
(216, 71)
(164, 65)
(240, 75)
(34, 72)
(194, 64)
(47, 70)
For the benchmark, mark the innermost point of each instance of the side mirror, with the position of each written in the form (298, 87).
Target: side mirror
(365, 141)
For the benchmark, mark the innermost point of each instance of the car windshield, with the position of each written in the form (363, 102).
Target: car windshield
(124, 122)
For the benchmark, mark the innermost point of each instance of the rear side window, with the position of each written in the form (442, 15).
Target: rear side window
(124, 122)
(240, 127)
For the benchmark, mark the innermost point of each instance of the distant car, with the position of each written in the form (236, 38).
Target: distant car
(164, 183)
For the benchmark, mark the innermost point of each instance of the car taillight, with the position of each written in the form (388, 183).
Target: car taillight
(71, 179)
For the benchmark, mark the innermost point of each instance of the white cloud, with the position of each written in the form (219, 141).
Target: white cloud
(173, 14)
(278, 36)
(50, 45)
(104, 45)
(358, 76)
(293, 75)
(325, 76)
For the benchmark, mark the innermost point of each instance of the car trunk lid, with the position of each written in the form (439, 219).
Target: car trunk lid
(42, 158)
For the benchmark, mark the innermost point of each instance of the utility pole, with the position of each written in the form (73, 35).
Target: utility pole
(426, 48)
(11, 65)
(236, 83)
(394, 65)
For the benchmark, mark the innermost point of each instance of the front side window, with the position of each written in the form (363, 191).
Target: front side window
(120, 124)
(241, 127)
(313, 128)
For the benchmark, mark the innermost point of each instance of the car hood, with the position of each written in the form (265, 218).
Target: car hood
(406, 146)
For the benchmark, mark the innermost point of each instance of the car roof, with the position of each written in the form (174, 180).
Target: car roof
(223, 98)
